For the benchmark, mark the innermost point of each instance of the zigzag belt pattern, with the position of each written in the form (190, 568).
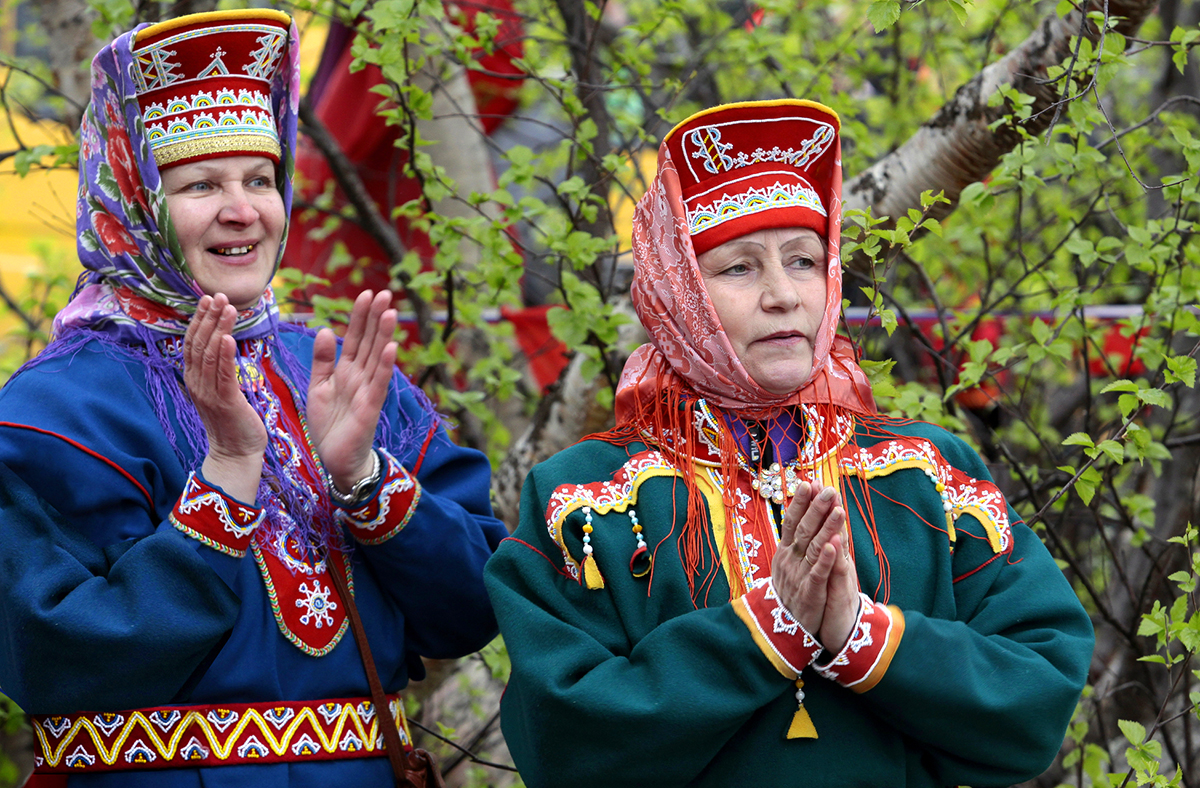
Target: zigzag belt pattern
(194, 736)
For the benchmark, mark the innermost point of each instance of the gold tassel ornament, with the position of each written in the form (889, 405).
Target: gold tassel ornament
(591, 572)
(802, 725)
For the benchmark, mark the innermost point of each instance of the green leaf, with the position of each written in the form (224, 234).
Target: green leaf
(1155, 397)
(1087, 483)
(960, 9)
(1180, 58)
(887, 318)
(1114, 450)
(23, 160)
(928, 198)
(1135, 732)
(1040, 331)
(883, 14)
(1181, 369)
(1079, 439)
(1120, 385)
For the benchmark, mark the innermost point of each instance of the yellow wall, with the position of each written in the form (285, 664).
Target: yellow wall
(37, 210)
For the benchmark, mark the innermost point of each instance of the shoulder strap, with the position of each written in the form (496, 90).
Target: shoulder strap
(383, 711)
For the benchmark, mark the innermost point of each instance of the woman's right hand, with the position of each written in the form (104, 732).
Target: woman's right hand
(237, 436)
(810, 552)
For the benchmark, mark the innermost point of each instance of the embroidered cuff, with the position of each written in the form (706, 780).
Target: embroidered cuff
(865, 658)
(206, 514)
(387, 512)
(788, 645)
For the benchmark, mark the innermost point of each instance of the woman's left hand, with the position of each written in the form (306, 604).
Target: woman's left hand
(345, 398)
(814, 574)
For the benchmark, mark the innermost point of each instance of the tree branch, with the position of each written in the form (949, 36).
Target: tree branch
(382, 231)
(956, 147)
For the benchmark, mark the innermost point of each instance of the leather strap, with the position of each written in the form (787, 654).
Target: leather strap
(383, 710)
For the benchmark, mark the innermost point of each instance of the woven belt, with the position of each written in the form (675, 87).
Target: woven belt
(229, 734)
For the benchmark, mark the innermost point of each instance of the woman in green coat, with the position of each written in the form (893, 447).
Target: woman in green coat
(755, 578)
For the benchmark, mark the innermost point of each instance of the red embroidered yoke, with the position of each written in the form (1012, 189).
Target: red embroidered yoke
(293, 559)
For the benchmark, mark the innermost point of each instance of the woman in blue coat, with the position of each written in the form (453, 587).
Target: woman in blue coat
(183, 474)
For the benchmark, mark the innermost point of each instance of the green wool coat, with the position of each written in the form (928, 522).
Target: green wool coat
(646, 682)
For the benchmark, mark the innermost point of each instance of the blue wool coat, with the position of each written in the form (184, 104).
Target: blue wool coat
(105, 606)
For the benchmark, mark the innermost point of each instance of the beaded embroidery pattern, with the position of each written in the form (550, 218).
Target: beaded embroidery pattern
(960, 493)
(602, 497)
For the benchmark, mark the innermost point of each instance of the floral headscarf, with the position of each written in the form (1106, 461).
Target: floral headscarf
(135, 276)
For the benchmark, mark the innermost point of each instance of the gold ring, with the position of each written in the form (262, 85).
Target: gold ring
(811, 562)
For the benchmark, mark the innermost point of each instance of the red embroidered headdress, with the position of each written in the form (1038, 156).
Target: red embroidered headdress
(203, 82)
(756, 165)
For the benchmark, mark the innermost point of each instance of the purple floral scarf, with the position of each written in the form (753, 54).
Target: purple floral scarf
(126, 240)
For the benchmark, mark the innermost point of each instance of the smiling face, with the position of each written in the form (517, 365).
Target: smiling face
(769, 288)
(229, 218)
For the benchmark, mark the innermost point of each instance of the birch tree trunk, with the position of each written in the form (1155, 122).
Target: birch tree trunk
(956, 147)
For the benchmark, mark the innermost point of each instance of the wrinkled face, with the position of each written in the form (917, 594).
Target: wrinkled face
(768, 288)
(229, 218)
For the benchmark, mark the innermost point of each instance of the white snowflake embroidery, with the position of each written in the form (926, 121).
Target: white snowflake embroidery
(862, 637)
(784, 621)
(108, 722)
(222, 718)
(139, 752)
(330, 711)
(316, 604)
(306, 746)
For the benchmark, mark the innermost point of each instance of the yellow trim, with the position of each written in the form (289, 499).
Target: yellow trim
(889, 651)
(620, 505)
(837, 122)
(985, 519)
(222, 744)
(232, 144)
(742, 611)
(213, 18)
(922, 464)
(716, 517)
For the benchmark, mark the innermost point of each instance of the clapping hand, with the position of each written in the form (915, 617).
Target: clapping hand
(237, 437)
(813, 572)
(345, 396)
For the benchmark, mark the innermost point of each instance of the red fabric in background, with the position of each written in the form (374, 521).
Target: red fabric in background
(1118, 349)
(545, 354)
